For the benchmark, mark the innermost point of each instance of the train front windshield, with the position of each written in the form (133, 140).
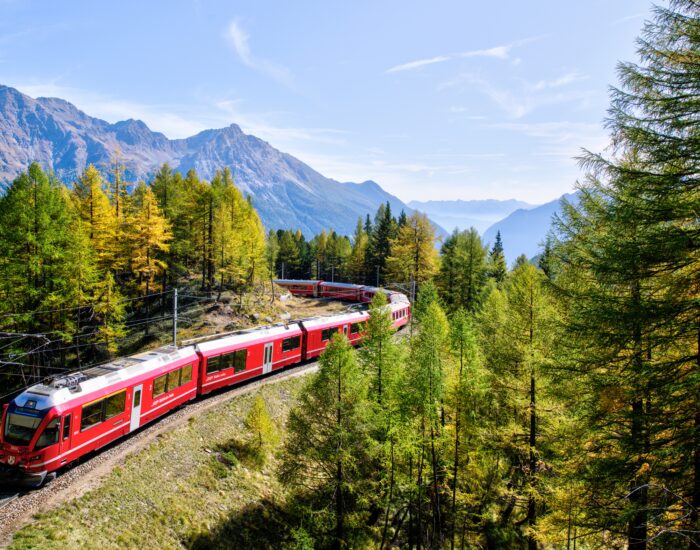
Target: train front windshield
(20, 428)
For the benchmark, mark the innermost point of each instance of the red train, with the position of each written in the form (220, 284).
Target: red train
(339, 291)
(54, 423)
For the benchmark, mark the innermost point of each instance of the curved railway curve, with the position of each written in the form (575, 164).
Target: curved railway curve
(54, 424)
(18, 507)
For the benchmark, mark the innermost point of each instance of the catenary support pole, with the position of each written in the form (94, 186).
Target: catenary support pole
(175, 317)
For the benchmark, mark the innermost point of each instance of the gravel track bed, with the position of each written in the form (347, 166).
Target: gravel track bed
(85, 475)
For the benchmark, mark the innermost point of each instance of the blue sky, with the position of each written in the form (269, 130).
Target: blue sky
(433, 100)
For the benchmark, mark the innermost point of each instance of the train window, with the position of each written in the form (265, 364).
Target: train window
(66, 427)
(239, 360)
(174, 379)
(327, 333)
(235, 360)
(186, 374)
(114, 404)
(49, 436)
(213, 364)
(288, 344)
(92, 415)
(355, 328)
(159, 385)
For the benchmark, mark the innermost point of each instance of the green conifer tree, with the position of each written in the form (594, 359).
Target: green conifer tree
(328, 444)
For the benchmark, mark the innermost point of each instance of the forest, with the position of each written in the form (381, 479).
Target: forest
(552, 403)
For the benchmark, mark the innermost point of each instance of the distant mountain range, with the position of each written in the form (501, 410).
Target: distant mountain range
(286, 192)
(480, 214)
(524, 231)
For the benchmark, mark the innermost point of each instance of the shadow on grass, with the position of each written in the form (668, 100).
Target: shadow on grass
(261, 525)
(234, 452)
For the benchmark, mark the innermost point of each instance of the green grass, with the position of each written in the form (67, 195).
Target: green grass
(177, 491)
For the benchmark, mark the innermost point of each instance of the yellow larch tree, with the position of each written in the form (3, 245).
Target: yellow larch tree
(96, 211)
(149, 237)
(413, 255)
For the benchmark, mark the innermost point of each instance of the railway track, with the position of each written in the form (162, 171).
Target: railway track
(6, 498)
(17, 508)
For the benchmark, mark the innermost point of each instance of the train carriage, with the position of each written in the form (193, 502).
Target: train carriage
(400, 314)
(249, 353)
(319, 331)
(300, 287)
(367, 294)
(340, 291)
(55, 422)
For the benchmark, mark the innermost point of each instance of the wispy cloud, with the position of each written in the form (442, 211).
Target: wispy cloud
(262, 125)
(562, 139)
(460, 110)
(563, 80)
(238, 38)
(627, 18)
(522, 97)
(418, 63)
(498, 52)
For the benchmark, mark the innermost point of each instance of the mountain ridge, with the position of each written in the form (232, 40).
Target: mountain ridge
(523, 231)
(286, 192)
(463, 214)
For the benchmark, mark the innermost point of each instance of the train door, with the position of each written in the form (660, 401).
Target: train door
(65, 435)
(345, 331)
(304, 341)
(267, 358)
(136, 408)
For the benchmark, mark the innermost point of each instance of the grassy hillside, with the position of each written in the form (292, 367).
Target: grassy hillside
(189, 488)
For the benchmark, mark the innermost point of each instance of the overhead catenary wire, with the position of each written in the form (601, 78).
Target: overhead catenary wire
(192, 303)
(83, 306)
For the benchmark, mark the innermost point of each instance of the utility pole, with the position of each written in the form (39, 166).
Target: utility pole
(332, 274)
(283, 270)
(175, 317)
(377, 276)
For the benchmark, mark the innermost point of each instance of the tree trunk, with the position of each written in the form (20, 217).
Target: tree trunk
(210, 246)
(339, 511)
(391, 494)
(455, 466)
(419, 518)
(694, 523)
(204, 252)
(531, 503)
(637, 527)
(148, 280)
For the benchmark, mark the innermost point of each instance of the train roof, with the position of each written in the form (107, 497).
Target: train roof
(315, 322)
(297, 281)
(62, 388)
(249, 335)
(341, 285)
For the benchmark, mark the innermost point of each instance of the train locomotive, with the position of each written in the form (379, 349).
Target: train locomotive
(56, 422)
